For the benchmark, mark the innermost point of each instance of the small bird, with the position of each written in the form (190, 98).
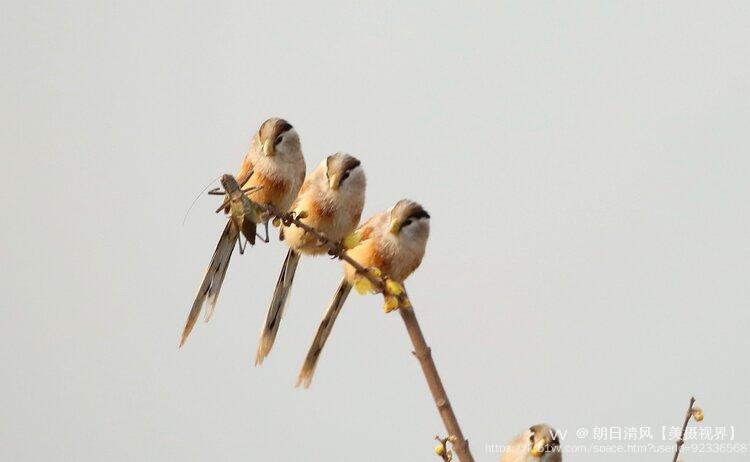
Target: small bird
(331, 201)
(271, 174)
(393, 241)
(540, 443)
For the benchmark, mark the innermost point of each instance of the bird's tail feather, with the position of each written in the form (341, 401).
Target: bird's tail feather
(324, 330)
(276, 309)
(213, 278)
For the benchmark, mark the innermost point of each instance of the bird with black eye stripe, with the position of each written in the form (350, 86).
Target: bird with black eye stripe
(331, 201)
(272, 173)
(540, 443)
(392, 241)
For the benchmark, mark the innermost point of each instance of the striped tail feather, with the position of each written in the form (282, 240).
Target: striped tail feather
(208, 292)
(324, 330)
(221, 272)
(276, 309)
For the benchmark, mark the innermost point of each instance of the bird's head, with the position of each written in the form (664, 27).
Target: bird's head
(543, 440)
(409, 221)
(344, 174)
(278, 139)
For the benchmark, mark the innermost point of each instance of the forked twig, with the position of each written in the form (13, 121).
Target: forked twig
(442, 449)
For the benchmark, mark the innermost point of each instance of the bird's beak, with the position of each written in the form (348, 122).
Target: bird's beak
(538, 449)
(268, 148)
(334, 182)
(395, 226)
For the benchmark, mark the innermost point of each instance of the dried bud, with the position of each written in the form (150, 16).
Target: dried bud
(697, 414)
(276, 222)
(302, 214)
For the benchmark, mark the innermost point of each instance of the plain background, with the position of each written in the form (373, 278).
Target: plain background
(585, 165)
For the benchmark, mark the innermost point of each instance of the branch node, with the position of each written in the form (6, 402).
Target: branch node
(424, 354)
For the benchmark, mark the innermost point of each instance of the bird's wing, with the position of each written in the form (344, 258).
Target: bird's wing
(367, 229)
(305, 187)
(301, 176)
(246, 171)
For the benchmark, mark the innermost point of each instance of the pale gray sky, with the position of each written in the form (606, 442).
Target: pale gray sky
(585, 165)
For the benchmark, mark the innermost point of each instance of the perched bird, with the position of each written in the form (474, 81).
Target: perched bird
(272, 173)
(540, 443)
(331, 201)
(393, 241)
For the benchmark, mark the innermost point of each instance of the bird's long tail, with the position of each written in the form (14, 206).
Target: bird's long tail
(208, 292)
(324, 330)
(278, 302)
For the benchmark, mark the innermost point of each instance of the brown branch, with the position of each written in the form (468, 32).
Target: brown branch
(681, 441)
(424, 355)
(421, 350)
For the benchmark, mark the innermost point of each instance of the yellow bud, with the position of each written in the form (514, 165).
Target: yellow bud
(391, 303)
(276, 222)
(364, 286)
(697, 414)
(393, 288)
(440, 449)
(405, 302)
(376, 272)
(302, 214)
(351, 241)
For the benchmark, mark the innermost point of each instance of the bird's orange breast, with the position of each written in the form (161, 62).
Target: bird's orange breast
(273, 192)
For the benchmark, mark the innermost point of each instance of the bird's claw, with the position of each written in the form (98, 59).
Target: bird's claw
(336, 250)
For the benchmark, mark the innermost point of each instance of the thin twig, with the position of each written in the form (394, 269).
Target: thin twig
(421, 350)
(681, 441)
(445, 453)
(334, 249)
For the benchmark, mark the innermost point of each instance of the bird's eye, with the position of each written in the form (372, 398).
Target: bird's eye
(407, 222)
(278, 140)
(346, 175)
